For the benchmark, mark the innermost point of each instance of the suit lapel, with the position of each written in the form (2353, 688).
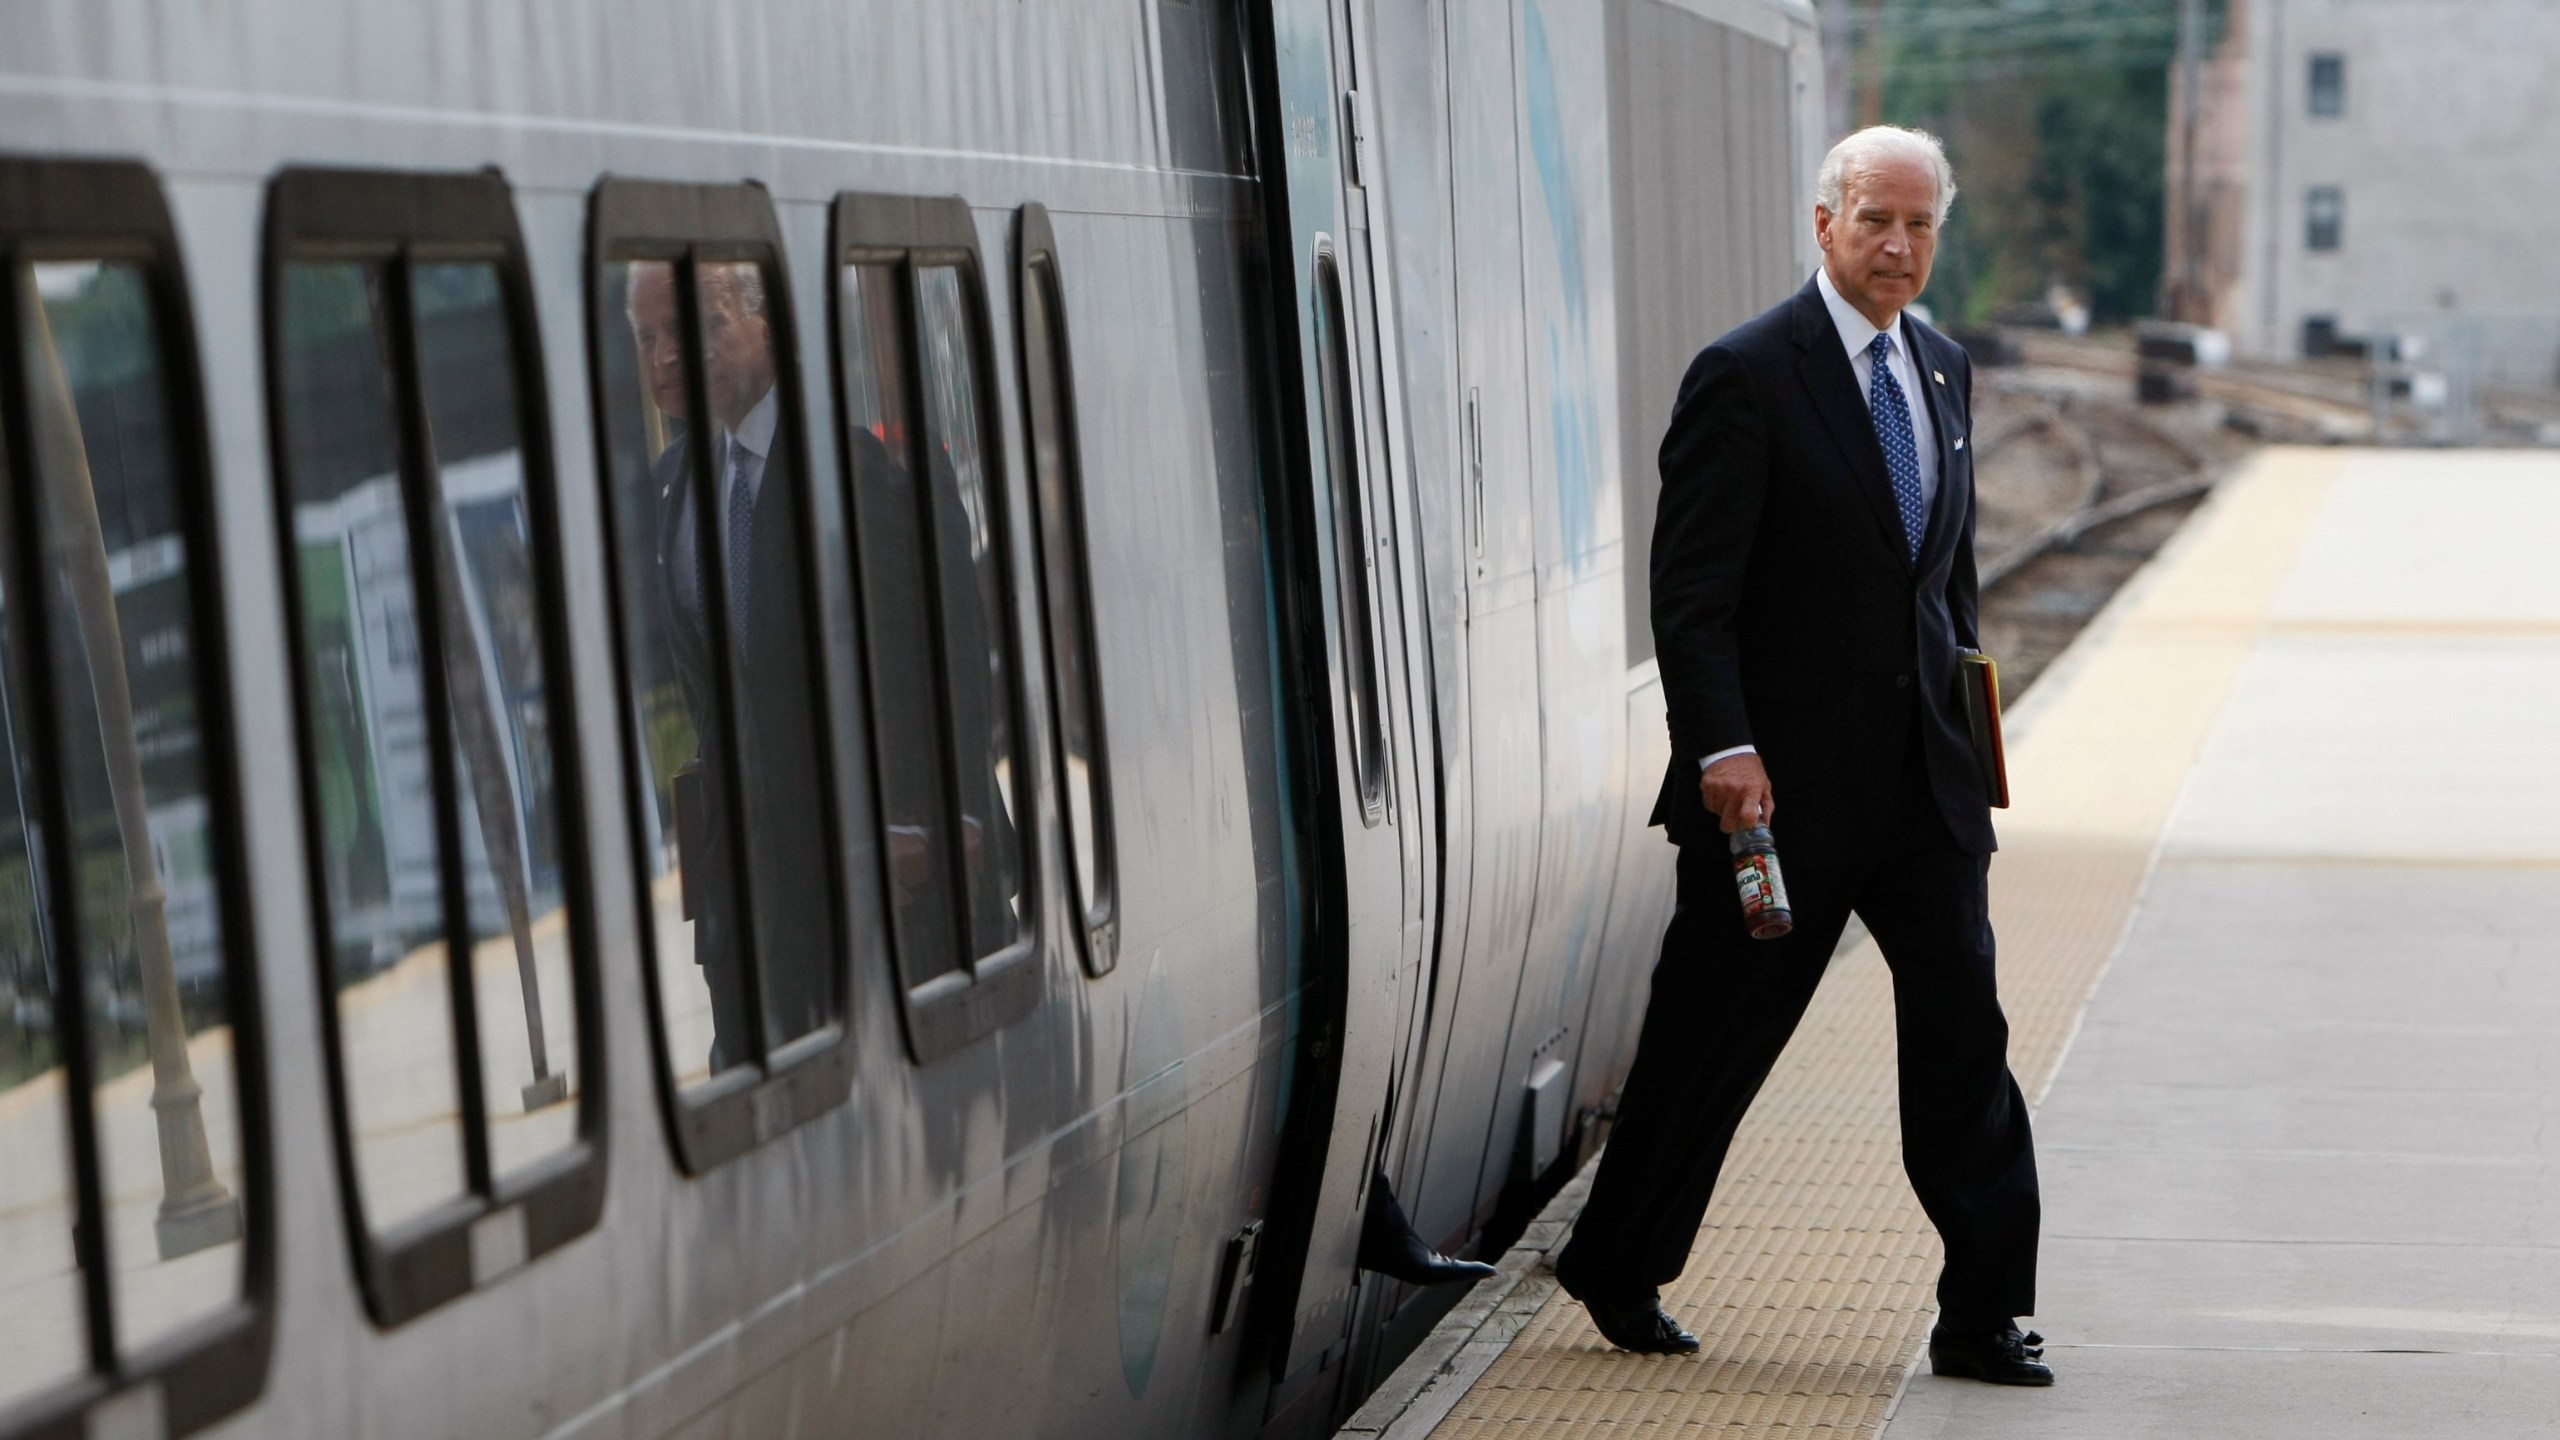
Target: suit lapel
(1930, 366)
(680, 554)
(1833, 387)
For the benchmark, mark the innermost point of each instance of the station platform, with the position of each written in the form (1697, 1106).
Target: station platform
(2279, 915)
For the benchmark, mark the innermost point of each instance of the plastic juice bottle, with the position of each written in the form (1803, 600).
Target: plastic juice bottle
(1764, 890)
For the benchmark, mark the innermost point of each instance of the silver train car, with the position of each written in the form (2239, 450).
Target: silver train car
(918, 902)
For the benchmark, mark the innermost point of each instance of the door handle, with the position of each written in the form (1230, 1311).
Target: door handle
(1475, 457)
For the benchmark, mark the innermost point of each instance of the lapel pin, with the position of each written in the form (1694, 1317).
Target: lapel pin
(1959, 442)
(1938, 375)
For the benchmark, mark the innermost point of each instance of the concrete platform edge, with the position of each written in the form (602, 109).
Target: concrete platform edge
(1466, 1342)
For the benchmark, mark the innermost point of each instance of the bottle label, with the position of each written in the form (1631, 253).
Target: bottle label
(1777, 899)
(1765, 912)
(1755, 889)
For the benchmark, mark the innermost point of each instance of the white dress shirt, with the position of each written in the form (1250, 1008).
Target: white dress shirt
(742, 450)
(1856, 334)
(750, 443)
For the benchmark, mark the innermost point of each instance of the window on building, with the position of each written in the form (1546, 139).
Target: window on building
(2328, 85)
(1058, 483)
(413, 473)
(2324, 214)
(933, 547)
(128, 1035)
(724, 705)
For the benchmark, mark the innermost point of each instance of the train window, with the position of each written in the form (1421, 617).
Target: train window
(971, 569)
(1354, 564)
(724, 698)
(412, 478)
(131, 1238)
(906, 720)
(1057, 476)
(953, 777)
(519, 930)
(130, 753)
(379, 818)
(40, 1268)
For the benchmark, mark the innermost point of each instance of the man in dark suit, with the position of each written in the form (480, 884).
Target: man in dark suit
(1813, 581)
(752, 556)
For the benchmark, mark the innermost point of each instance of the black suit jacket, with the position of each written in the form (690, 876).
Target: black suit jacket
(775, 712)
(1787, 611)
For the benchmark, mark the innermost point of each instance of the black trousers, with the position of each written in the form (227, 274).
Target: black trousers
(1723, 1006)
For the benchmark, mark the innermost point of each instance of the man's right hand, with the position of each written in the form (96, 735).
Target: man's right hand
(1736, 789)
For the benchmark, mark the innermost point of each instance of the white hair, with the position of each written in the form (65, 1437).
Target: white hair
(741, 281)
(1865, 149)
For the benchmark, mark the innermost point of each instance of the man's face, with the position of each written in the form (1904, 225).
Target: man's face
(656, 336)
(1879, 247)
(737, 349)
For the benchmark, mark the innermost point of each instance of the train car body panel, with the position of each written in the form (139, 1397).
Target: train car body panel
(1368, 306)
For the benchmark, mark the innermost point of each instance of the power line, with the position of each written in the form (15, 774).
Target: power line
(2071, 32)
(2023, 62)
(1911, 19)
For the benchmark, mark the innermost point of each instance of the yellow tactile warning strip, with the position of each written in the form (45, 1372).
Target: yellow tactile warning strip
(1811, 1285)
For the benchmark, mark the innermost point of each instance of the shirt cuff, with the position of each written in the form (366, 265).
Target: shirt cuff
(1728, 754)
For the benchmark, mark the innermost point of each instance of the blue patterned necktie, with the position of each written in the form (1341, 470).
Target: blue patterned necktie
(1901, 451)
(741, 536)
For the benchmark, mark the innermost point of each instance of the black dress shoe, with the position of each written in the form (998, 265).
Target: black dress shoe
(1415, 1263)
(1389, 1246)
(1633, 1322)
(1999, 1357)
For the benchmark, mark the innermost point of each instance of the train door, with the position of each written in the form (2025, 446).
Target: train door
(1342, 643)
(1396, 548)
(1504, 746)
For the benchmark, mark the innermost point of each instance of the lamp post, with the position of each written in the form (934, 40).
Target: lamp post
(493, 800)
(196, 1211)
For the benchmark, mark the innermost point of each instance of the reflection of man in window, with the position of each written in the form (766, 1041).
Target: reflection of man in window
(752, 556)
(979, 726)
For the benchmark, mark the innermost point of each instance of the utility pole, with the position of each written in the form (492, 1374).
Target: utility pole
(1839, 73)
(2191, 302)
(1871, 66)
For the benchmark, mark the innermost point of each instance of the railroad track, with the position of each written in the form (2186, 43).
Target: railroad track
(2279, 402)
(2101, 503)
(2080, 486)
(2319, 401)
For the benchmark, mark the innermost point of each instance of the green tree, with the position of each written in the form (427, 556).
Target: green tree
(2055, 113)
